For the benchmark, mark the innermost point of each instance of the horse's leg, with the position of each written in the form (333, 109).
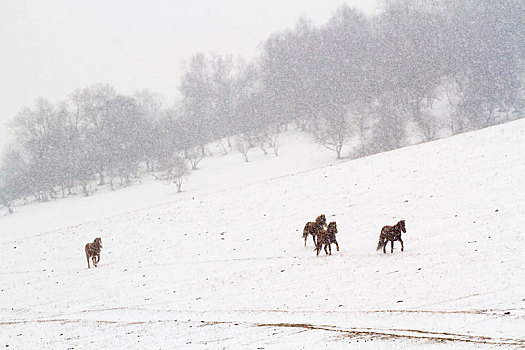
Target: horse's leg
(391, 246)
(384, 246)
(325, 250)
(87, 256)
(330, 249)
(95, 260)
(337, 245)
(313, 237)
(402, 247)
(305, 237)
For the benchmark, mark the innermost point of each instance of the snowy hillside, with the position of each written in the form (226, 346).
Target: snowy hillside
(223, 264)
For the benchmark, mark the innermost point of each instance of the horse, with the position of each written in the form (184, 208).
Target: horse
(313, 227)
(332, 230)
(93, 251)
(322, 239)
(391, 233)
(326, 238)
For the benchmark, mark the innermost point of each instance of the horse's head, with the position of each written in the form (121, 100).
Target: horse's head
(401, 225)
(321, 221)
(332, 227)
(98, 242)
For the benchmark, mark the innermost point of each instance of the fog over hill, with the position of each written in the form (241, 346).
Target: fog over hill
(358, 82)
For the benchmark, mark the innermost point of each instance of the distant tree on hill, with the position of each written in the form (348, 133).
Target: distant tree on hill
(195, 88)
(92, 105)
(333, 128)
(273, 138)
(194, 156)
(124, 128)
(152, 107)
(243, 146)
(6, 199)
(15, 181)
(39, 133)
(389, 125)
(223, 75)
(174, 168)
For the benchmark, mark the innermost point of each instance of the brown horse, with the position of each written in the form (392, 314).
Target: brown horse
(93, 251)
(332, 230)
(322, 239)
(326, 238)
(313, 227)
(391, 233)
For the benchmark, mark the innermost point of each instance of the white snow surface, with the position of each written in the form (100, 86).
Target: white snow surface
(223, 265)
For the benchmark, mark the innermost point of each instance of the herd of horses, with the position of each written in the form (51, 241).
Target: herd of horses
(322, 238)
(325, 238)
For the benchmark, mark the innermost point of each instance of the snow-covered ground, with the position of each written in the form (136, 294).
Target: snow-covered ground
(223, 264)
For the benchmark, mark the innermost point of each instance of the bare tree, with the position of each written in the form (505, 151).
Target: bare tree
(427, 123)
(194, 156)
(243, 147)
(91, 105)
(333, 129)
(196, 90)
(389, 128)
(273, 138)
(152, 106)
(6, 196)
(174, 169)
(124, 125)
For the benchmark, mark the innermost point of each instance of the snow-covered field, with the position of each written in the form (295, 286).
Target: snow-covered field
(223, 264)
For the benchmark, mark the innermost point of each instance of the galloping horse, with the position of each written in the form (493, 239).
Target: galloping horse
(93, 251)
(332, 230)
(326, 238)
(312, 228)
(322, 239)
(391, 233)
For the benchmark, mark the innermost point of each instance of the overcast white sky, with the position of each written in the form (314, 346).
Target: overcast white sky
(50, 48)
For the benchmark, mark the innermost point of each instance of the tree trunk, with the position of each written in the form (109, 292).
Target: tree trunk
(102, 178)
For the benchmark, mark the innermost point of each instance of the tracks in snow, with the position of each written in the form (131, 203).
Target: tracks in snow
(348, 332)
(370, 333)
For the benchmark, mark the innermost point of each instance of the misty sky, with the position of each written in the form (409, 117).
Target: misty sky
(50, 48)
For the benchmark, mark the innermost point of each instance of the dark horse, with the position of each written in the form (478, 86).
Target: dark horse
(391, 233)
(322, 239)
(332, 230)
(313, 227)
(93, 251)
(326, 238)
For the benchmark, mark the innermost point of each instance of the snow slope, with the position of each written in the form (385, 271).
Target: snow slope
(223, 264)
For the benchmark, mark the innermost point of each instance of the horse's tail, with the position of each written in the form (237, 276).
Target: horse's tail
(379, 245)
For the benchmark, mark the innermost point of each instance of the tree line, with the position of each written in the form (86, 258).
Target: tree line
(373, 81)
